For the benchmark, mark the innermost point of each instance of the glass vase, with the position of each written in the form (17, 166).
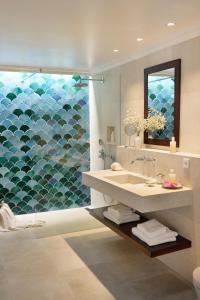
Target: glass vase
(150, 134)
(138, 142)
(129, 131)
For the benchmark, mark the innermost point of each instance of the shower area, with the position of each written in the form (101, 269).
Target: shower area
(44, 141)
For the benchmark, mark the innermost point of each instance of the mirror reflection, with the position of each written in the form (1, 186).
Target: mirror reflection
(161, 86)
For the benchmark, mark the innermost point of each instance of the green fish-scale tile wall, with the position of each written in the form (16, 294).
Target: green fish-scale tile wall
(44, 142)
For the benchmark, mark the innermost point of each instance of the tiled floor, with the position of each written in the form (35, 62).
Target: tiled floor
(74, 257)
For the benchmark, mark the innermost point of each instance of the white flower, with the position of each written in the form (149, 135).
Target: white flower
(155, 121)
(135, 122)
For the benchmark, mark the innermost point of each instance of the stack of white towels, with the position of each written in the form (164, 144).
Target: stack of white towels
(120, 214)
(154, 233)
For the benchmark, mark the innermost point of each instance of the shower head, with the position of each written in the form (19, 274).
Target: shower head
(80, 84)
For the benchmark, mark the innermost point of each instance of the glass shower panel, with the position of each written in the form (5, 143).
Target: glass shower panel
(44, 141)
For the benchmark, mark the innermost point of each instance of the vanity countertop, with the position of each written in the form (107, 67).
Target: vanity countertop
(140, 189)
(131, 189)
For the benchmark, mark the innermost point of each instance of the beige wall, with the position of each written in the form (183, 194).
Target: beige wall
(184, 220)
(132, 88)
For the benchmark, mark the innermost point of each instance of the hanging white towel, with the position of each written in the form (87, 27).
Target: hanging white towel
(7, 218)
(9, 222)
(3, 221)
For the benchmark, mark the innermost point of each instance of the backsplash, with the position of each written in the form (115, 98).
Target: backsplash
(44, 142)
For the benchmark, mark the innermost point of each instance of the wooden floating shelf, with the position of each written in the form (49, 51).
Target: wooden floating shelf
(124, 230)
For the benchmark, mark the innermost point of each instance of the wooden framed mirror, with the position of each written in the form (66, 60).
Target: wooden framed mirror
(162, 93)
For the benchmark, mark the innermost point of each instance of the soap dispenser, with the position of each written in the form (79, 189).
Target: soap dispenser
(172, 176)
(173, 145)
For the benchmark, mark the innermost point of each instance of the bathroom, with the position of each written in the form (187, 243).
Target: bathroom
(73, 76)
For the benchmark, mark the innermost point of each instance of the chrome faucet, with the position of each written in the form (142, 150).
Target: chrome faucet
(148, 158)
(148, 169)
(143, 158)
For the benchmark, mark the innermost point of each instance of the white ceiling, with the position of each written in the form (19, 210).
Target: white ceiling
(81, 34)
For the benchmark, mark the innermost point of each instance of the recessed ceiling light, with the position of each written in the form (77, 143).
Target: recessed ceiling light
(116, 50)
(170, 24)
(139, 39)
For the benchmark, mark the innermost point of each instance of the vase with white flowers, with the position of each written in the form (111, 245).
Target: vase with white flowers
(154, 122)
(133, 125)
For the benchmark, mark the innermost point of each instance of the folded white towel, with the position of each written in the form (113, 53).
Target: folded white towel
(168, 233)
(132, 218)
(120, 210)
(118, 215)
(170, 236)
(152, 228)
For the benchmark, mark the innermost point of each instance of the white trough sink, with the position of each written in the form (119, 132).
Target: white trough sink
(130, 189)
(126, 179)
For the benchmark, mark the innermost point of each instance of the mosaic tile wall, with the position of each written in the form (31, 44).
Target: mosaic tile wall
(44, 142)
(161, 97)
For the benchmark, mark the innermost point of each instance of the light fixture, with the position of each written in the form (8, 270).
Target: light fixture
(116, 50)
(139, 39)
(170, 24)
